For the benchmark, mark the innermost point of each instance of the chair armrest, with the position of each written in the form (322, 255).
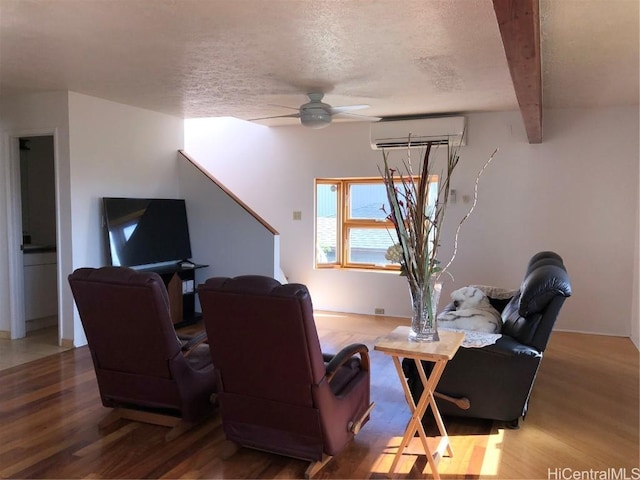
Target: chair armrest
(345, 355)
(188, 346)
(508, 346)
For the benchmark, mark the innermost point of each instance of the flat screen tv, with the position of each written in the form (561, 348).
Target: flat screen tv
(144, 231)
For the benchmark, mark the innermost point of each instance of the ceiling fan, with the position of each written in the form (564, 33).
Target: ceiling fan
(317, 114)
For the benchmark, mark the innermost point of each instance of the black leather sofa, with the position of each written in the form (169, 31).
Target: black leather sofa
(498, 379)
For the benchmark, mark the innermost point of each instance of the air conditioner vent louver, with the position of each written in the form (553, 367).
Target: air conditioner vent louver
(414, 142)
(417, 133)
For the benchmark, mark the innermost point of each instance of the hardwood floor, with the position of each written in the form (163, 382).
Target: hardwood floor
(583, 416)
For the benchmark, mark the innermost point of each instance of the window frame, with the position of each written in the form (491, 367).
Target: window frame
(344, 223)
(328, 181)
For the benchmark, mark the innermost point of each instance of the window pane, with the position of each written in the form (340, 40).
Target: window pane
(366, 201)
(369, 245)
(368, 235)
(326, 223)
(433, 196)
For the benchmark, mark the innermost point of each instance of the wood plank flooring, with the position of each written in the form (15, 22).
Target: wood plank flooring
(583, 416)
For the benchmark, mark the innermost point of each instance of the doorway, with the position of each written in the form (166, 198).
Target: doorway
(38, 248)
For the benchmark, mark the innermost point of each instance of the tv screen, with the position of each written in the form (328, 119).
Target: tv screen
(142, 231)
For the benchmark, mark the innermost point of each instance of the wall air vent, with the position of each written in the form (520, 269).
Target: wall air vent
(393, 134)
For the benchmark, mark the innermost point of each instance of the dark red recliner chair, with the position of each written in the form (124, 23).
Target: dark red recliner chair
(143, 370)
(277, 390)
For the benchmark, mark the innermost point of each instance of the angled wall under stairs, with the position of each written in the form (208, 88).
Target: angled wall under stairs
(225, 233)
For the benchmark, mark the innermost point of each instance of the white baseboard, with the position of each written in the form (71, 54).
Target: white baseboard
(635, 343)
(604, 334)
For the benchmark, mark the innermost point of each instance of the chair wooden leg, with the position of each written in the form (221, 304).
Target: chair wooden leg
(178, 426)
(181, 427)
(109, 418)
(315, 467)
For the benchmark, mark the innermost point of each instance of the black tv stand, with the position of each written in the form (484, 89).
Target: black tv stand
(181, 287)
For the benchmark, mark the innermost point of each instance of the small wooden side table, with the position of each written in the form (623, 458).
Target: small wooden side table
(397, 344)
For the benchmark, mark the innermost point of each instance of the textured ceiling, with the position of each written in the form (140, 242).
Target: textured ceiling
(201, 58)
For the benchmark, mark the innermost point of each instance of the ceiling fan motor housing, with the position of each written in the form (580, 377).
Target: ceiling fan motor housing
(315, 116)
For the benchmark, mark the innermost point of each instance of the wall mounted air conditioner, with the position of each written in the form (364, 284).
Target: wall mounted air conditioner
(390, 134)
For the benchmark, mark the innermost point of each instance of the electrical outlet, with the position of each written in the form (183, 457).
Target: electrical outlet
(297, 215)
(378, 311)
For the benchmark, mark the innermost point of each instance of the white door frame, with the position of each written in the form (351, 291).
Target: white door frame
(14, 230)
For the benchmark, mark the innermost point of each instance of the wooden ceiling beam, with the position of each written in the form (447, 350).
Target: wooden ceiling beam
(519, 23)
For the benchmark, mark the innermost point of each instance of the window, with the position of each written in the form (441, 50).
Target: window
(352, 230)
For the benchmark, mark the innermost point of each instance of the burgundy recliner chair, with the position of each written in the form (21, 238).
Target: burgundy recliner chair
(277, 390)
(143, 370)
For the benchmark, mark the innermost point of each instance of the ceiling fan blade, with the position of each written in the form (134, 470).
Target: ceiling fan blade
(361, 117)
(347, 108)
(291, 115)
(282, 106)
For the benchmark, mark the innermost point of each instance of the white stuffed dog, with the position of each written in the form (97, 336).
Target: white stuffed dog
(473, 312)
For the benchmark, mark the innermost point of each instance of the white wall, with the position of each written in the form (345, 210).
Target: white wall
(223, 234)
(576, 193)
(570, 194)
(115, 151)
(102, 149)
(44, 113)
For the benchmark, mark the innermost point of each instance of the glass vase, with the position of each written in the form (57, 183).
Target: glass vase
(424, 309)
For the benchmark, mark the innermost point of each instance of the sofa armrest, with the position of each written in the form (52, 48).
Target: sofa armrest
(508, 346)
